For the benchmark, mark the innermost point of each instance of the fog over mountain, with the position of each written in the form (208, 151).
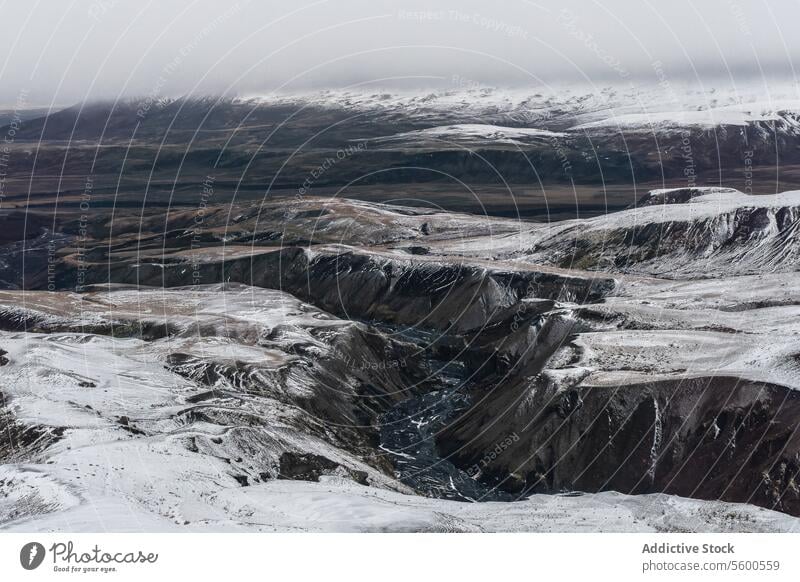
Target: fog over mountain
(65, 52)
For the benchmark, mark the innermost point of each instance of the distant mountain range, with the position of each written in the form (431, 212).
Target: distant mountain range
(747, 139)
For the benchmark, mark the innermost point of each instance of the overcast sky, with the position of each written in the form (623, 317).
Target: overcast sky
(64, 51)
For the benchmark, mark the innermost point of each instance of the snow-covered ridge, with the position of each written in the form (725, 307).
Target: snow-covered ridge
(680, 232)
(740, 114)
(574, 108)
(469, 132)
(720, 232)
(676, 195)
(707, 202)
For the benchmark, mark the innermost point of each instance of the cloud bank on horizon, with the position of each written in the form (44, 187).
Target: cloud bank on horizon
(57, 52)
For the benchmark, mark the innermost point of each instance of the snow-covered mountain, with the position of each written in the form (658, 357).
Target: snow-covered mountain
(743, 136)
(658, 108)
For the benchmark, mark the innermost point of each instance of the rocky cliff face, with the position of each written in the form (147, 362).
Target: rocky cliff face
(705, 437)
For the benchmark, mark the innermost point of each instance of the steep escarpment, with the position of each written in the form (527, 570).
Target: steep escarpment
(707, 437)
(461, 296)
(671, 233)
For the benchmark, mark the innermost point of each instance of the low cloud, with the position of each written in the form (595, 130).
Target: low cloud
(63, 52)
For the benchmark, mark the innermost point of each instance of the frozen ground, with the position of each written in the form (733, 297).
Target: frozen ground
(230, 406)
(333, 505)
(111, 451)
